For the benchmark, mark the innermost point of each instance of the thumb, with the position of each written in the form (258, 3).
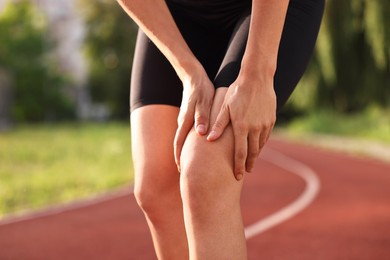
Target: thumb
(220, 124)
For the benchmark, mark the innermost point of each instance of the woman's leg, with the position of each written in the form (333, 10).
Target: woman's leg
(156, 186)
(211, 195)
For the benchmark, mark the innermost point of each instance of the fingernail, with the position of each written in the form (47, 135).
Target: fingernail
(239, 176)
(212, 135)
(201, 129)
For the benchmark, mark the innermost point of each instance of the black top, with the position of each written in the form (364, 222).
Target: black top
(215, 12)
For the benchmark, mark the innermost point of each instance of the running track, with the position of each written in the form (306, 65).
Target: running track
(323, 205)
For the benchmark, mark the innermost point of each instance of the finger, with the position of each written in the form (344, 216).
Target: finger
(180, 137)
(270, 132)
(202, 115)
(186, 121)
(220, 124)
(253, 150)
(264, 137)
(240, 151)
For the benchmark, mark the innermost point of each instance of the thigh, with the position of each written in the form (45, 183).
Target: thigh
(153, 79)
(153, 129)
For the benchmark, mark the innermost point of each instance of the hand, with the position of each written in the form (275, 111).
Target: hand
(250, 106)
(198, 94)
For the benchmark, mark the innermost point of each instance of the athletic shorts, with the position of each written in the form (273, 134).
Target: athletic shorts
(216, 32)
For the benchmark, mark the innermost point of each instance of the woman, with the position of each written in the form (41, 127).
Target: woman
(208, 78)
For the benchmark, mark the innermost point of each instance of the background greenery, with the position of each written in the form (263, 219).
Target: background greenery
(47, 164)
(38, 85)
(345, 91)
(109, 48)
(350, 69)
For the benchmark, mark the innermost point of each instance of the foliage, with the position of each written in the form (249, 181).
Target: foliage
(48, 164)
(109, 46)
(37, 85)
(371, 124)
(351, 65)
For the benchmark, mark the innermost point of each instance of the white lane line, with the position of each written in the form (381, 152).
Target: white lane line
(57, 209)
(311, 190)
(276, 158)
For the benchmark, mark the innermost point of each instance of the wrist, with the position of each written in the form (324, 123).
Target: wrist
(259, 73)
(258, 68)
(191, 71)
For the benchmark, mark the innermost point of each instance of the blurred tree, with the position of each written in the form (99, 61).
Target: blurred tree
(24, 54)
(351, 65)
(5, 100)
(109, 46)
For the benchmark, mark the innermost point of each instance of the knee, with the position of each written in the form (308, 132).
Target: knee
(195, 162)
(194, 188)
(145, 196)
(151, 192)
(205, 177)
(194, 185)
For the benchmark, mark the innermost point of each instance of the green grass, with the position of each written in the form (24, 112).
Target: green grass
(48, 164)
(373, 124)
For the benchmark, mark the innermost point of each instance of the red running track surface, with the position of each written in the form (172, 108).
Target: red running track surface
(349, 219)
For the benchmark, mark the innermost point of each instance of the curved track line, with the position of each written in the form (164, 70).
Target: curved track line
(308, 195)
(276, 158)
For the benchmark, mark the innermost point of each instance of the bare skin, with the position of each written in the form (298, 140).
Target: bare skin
(208, 193)
(213, 140)
(211, 194)
(156, 185)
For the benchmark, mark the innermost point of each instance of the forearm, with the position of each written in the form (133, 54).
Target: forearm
(155, 19)
(266, 27)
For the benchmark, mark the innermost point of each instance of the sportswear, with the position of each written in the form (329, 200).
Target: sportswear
(216, 32)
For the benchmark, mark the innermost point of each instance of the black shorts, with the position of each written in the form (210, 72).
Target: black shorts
(216, 32)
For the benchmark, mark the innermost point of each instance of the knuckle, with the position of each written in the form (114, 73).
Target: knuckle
(262, 143)
(200, 117)
(272, 122)
(250, 163)
(269, 125)
(204, 101)
(225, 107)
(253, 154)
(240, 154)
(241, 126)
(250, 167)
(184, 120)
(191, 98)
(257, 128)
(218, 124)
